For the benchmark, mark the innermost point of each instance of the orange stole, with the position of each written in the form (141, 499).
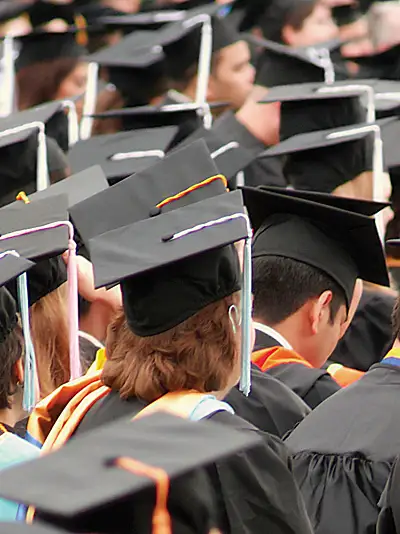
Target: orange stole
(272, 357)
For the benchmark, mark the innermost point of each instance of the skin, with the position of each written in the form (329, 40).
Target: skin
(127, 6)
(74, 85)
(310, 331)
(319, 27)
(11, 416)
(232, 78)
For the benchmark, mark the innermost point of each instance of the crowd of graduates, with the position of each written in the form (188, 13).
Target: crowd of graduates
(199, 258)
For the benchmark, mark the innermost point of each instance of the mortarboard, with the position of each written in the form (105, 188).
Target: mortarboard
(40, 231)
(12, 265)
(367, 208)
(9, 9)
(41, 46)
(42, 12)
(122, 154)
(383, 65)
(95, 478)
(230, 158)
(346, 14)
(134, 198)
(345, 245)
(141, 21)
(279, 64)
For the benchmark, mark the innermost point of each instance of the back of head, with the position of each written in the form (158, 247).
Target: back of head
(281, 286)
(280, 13)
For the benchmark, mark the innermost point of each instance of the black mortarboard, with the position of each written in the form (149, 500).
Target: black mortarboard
(40, 13)
(230, 158)
(12, 265)
(77, 187)
(323, 160)
(9, 9)
(42, 244)
(279, 64)
(82, 486)
(135, 198)
(360, 206)
(343, 244)
(123, 153)
(184, 258)
(46, 46)
(141, 21)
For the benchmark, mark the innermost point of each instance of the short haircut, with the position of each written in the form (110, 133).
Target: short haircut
(281, 286)
(11, 350)
(200, 353)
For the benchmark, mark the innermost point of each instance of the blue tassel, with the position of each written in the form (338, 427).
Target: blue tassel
(245, 378)
(29, 399)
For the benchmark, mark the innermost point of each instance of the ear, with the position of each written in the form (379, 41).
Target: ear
(19, 371)
(320, 311)
(357, 294)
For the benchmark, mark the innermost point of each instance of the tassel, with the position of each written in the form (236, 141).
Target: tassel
(75, 362)
(30, 374)
(245, 378)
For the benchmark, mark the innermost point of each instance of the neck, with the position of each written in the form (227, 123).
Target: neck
(96, 321)
(11, 416)
(396, 344)
(289, 329)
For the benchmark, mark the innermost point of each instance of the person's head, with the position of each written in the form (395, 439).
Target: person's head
(298, 23)
(126, 6)
(60, 78)
(49, 328)
(11, 369)
(231, 78)
(286, 290)
(201, 353)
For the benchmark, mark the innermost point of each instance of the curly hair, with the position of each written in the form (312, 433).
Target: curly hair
(11, 350)
(201, 354)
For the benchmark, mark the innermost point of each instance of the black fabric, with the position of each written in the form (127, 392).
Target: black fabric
(155, 304)
(258, 172)
(45, 277)
(248, 486)
(369, 335)
(312, 385)
(271, 405)
(343, 451)
(264, 341)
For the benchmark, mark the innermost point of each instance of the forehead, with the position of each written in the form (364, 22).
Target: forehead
(235, 53)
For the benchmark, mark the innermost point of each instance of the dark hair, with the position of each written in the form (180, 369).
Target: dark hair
(274, 20)
(198, 354)
(11, 350)
(181, 80)
(39, 83)
(396, 319)
(281, 286)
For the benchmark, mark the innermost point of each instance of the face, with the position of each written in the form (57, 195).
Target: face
(233, 76)
(318, 27)
(74, 84)
(127, 6)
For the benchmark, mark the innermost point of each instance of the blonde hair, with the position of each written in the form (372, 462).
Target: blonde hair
(50, 336)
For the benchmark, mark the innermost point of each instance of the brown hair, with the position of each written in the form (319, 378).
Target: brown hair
(200, 354)
(49, 327)
(39, 83)
(273, 24)
(11, 350)
(108, 100)
(396, 320)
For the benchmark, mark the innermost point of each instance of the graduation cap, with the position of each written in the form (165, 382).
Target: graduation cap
(343, 244)
(346, 14)
(122, 154)
(383, 65)
(141, 21)
(367, 208)
(137, 195)
(41, 13)
(231, 158)
(41, 46)
(9, 9)
(40, 231)
(96, 481)
(279, 64)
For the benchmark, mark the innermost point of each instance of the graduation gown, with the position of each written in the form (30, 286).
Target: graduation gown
(369, 335)
(271, 405)
(265, 470)
(343, 451)
(312, 385)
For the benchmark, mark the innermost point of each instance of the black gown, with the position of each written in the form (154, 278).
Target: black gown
(343, 451)
(273, 505)
(369, 335)
(271, 405)
(312, 385)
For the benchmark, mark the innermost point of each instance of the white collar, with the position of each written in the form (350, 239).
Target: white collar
(91, 338)
(274, 334)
